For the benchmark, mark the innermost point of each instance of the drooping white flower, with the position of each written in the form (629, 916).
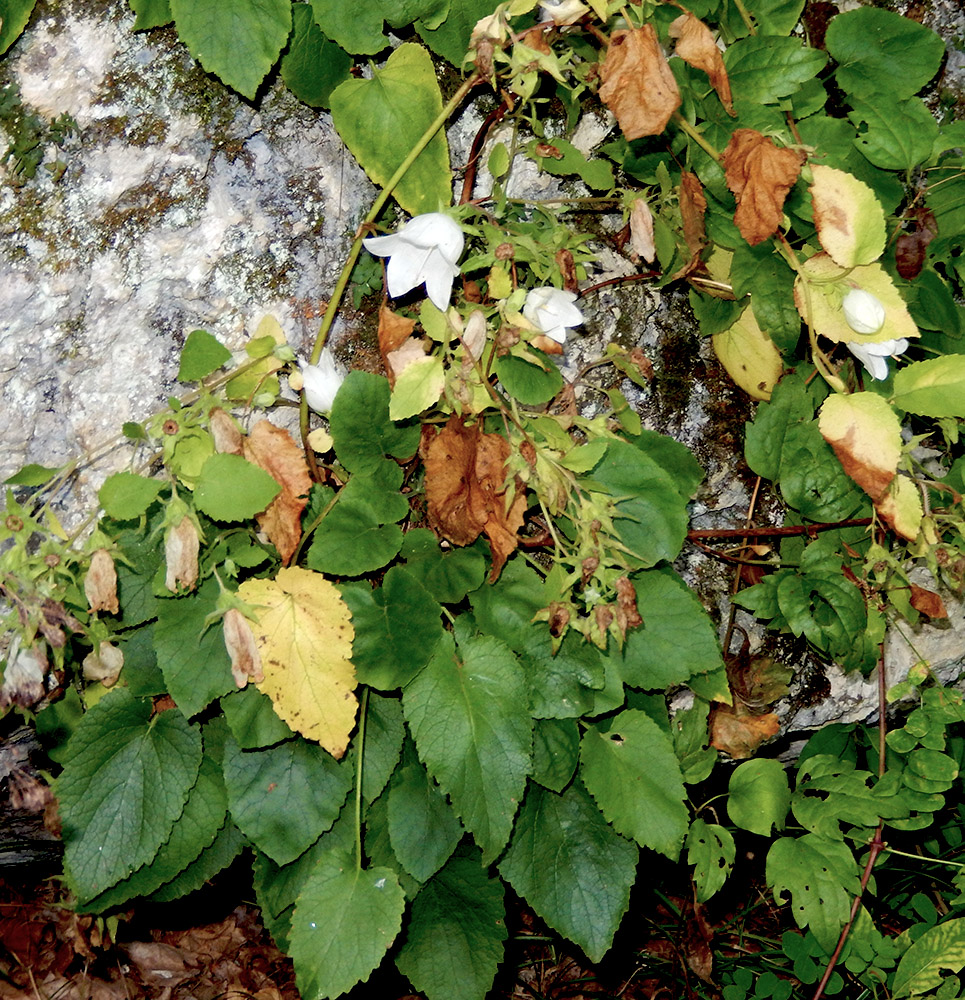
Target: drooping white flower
(321, 382)
(562, 11)
(873, 356)
(425, 250)
(552, 311)
(863, 311)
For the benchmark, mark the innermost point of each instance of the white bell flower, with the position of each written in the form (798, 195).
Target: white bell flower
(863, 311)
(321, 382)
(562, 11)
(552, 311)
(873, 356)
(425, 249)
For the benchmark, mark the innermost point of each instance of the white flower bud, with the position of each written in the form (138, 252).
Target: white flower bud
(322, 382)
(873, 356)
(552, 311)
(863, 311)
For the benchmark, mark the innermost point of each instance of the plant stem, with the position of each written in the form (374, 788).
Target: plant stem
(360, 750)
(689, 130)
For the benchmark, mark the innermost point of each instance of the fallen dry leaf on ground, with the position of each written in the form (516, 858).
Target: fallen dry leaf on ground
(465, 477)
(638, 84)
(274, 450)
(759, 175)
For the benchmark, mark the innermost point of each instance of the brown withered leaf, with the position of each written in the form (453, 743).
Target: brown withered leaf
(394, 331)
(641, 231)
(759, 175)
(274, 450)
(465, 489)
(911, 247)
(638, 85)
(224, 430)
(693, 205)
(696, 46)
(100, 583)
(928, 602)
(242, 649)
(736, 731)
(398, 360)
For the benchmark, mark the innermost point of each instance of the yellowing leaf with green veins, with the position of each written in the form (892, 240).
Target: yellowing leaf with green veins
(304, 634)
(865, 433)
(749, 355)
(849, 218)
(939, 948)
(821, 286)
(901, 508)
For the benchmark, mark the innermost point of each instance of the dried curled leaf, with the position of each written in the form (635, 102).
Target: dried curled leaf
(759, 175)
(638, 85)
(394, 331)
(696, 46)
(641, 231)
(100, 583)
(466, 490)
(693, 205)
(224, 430)
(273, 449)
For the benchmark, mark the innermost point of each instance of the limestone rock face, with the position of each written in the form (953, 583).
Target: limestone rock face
(180, 205)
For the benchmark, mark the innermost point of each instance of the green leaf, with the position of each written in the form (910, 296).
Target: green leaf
(596, 174)
(822, 878)
(454, 940)
(344, 922)
(468, 713)
(266, 788)
(195, 830)
(397, 628)
(135, 577)
(384, 734)
(151, 13)
(313, 65)
(674, 458)
(351, 540)
(422, 826)
(941, 947)
(126, 495)
(357, 28)
(812, 479)
(361, 427)
(632, 772)
(14, 15)
(237, 40)
(125, 782)
(677, 638)
(380, 488)
(570, 865)
(382, 119)
(417, 387)
(710, 849)
(31, 475)
(790, 405)
(758, 796)
(529, 383)
(449, 37)
(651, 515)
(227, 845)
(201, 355)
(762, 273)
(880, 52)
(556, 752)
(764, 68)
(448, 575)
(232, 489)
(252, 720)
(896, 135)
(192, 656)
(933, 388)
(400, 13)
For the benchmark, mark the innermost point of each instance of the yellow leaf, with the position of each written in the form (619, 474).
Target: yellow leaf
(304, 635)
(820, 289)
(865, 433)
(849, 218)
(901, 508)
(750, 357)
